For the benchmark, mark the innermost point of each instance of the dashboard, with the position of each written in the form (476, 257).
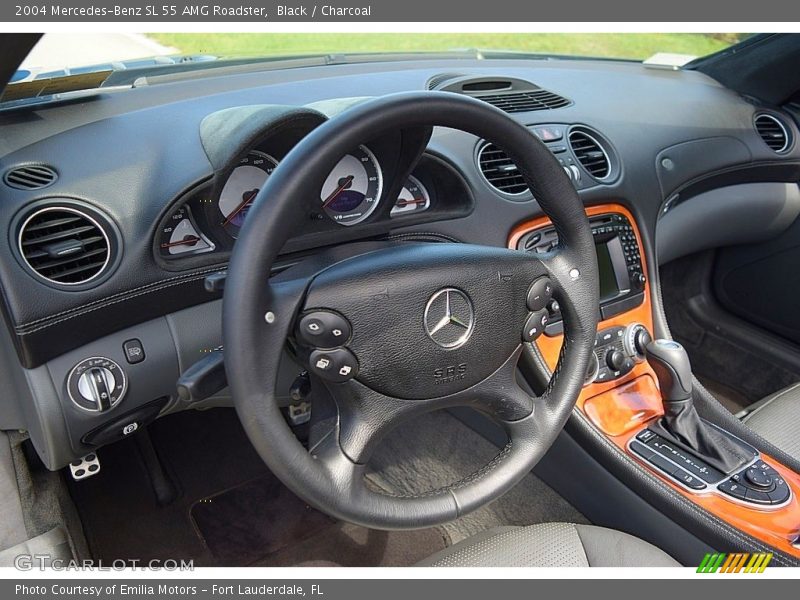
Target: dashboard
(117, 208)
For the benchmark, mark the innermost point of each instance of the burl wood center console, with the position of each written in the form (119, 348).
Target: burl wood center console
(621, 396)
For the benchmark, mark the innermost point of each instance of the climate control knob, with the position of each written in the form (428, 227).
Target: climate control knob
(96, 384)
(634, 340)
(616, 360)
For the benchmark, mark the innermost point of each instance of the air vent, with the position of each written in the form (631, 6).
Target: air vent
(506, 93)
(590, 153)
(437, 80)
(773, 132)
(30, 177)
(64, 245)
(525, 101)
(500, 172)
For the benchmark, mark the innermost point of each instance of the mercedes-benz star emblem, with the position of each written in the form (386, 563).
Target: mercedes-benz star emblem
(449, 318)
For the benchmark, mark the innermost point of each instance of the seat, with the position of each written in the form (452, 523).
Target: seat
(776, 418)
(551, 545)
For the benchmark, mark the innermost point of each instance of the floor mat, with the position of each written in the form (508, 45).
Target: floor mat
(436, 450)
(252, 520)
(210, 458)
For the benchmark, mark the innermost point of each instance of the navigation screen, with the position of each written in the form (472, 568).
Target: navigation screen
(608, 280)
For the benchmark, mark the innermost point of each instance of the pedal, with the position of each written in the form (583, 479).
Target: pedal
(85, 467)
(299, 413)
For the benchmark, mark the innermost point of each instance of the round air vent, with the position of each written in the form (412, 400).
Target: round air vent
(500, 172)
(30, 177)
(590, 153)
(64, 245)
(773, 132)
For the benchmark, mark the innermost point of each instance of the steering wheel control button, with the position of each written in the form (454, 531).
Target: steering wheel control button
(134, 351)
(96, 384)
(337, 365)
(534, 326)
(324, 329)
(539, 294)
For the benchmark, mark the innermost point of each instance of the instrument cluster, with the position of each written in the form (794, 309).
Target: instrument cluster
(357, 192)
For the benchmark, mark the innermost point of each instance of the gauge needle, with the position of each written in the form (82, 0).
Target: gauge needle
(247, 198)
(188, 241)
(347, 181)
(402, 203)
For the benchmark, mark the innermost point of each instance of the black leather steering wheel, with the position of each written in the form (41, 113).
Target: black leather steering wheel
(394, 299)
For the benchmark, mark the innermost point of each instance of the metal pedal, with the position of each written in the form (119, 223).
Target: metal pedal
(85, 467)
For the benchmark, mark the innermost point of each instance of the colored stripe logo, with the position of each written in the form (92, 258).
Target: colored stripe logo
(738, 562)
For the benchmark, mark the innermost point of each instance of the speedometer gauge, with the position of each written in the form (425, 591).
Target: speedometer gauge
(353, 189)
(242, 187)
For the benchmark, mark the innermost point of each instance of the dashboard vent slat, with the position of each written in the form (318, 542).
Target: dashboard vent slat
(590, 154)
(64, 245)
(773, 132)
(500, 172)
(515, 102)
(30, 177)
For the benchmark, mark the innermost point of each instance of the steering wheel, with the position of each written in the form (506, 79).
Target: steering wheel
(431, 325)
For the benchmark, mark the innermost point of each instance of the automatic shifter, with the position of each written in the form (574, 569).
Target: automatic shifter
(681, 424)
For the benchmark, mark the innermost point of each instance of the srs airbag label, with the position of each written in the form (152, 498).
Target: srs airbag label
(450, 373)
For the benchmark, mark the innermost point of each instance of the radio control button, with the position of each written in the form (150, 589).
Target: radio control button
(540, 293)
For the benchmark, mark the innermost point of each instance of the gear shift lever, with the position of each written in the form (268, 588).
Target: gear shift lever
(681, 424)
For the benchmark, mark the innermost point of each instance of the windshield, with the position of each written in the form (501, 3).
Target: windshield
(59, 51)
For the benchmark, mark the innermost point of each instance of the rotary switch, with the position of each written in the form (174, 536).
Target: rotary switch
(97, 384)
(634, 340)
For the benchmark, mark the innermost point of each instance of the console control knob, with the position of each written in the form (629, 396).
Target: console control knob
(96, 384)
(635, 340)
(758, 478)
(615, 359)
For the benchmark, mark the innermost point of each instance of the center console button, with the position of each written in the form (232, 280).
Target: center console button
(689, 480)
(758, 497)
(737, 490)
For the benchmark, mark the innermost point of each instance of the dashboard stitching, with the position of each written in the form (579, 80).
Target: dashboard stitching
(97, 305)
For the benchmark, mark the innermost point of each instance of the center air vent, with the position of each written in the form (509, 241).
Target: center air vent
(773, 132)
(30, 177)
(64, 245)
(590, 153)
(499, 171)
(506, 93)
(525, 101)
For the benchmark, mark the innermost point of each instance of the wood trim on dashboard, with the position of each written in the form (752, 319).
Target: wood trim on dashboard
(622, 408)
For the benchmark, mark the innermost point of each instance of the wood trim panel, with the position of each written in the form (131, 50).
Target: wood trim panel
(623, 407)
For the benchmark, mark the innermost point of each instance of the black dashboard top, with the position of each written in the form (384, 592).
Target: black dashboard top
(142, 161)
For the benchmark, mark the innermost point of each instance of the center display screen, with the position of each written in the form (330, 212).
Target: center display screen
(609, 287)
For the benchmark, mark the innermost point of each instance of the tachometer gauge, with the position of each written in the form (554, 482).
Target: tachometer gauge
(180, 236)
(353, 189)
(413, 198)
(241, 189)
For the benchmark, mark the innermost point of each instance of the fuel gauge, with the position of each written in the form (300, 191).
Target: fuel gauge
(413, 198)
(180, 236)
